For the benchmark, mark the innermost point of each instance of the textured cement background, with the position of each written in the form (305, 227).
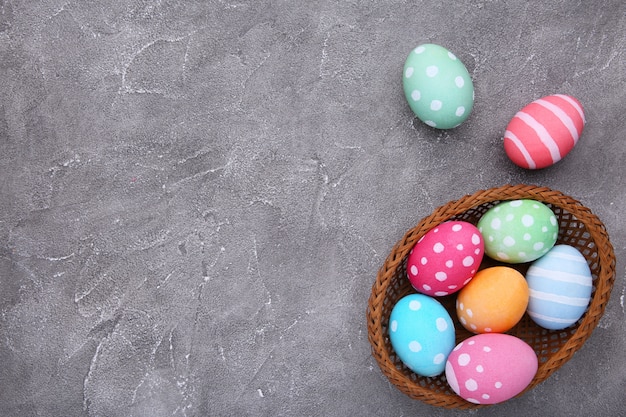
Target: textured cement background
(196, 195)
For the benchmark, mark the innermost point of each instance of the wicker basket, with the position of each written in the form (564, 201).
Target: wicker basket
(578, 227)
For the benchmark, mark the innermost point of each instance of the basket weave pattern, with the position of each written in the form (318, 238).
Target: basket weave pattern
(578, 227)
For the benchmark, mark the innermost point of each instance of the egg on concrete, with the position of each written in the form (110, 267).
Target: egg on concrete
(437, 86)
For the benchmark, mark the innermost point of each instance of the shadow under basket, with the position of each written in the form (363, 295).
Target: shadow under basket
(578, 227)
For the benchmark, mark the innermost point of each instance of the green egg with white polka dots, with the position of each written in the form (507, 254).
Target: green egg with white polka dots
(518, 231)
(437, 86)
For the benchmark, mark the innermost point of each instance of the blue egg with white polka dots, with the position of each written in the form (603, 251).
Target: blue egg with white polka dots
(422, 334)
(437, 86)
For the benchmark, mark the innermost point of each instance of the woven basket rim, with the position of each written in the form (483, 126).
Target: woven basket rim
(603, 285)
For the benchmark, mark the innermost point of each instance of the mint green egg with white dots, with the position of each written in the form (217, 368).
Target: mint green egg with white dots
(437, 86)
(518, 231)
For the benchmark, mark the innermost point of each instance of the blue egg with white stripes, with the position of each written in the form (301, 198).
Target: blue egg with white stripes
(560, 285)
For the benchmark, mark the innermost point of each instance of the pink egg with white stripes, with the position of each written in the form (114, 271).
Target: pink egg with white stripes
(544, 131)
(490, 368)
(446, 258)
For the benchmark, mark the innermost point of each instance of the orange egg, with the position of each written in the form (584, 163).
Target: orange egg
(493, 301)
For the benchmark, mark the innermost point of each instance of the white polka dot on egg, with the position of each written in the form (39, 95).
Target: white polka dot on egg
(508, 241)
(442, 324)
(415, 305)
(432, 71)
(471, 385)
(528, 220)
(415, 346)
(464, 359)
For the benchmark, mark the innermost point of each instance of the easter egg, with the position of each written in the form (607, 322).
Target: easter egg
(437, 86)
(560, 285)
(421, 333)
(493, 301)
(491, 368)
(544, 131)
(518, 231)
(445, 258)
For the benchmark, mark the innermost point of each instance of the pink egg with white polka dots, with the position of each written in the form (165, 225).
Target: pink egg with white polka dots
(446, 258)
(491, 368)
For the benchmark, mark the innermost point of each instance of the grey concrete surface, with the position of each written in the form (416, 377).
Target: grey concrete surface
(196, 195)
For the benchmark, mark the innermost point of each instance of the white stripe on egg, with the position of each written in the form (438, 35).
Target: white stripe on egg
(562, 116)
(519, 145)
(574, 104)
(561, 276)
(542, 133)
(561, 299)
(567, 321)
